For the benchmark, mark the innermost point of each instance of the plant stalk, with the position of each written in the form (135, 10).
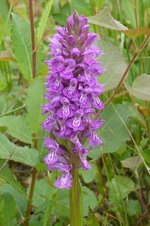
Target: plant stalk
(34, 172)
(76, 217)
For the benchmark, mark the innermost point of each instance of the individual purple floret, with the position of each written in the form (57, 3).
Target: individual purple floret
(72, 97)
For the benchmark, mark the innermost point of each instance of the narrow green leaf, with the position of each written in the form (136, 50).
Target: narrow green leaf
(114, 63)
(17, 127)
(8, 210)
(40, 59)
(43, 20)
(104, 19)
(21, 45)
(33, 103)
(3, 83)
(25, 155)
(140, 88)
(128, 9)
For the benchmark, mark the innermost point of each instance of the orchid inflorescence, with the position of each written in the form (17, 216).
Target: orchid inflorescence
(73, 101)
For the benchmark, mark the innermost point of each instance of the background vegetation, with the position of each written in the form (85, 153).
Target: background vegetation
(116, 190)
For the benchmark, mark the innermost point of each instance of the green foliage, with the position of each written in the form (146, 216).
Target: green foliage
(3, 82)
(33, 102)
(132, 163)
(9, 178)
(40, 59)
(19, 197)
(43, 20)
(89, 200)
(83, 8)
(41, 191)
(114, 132)
(13, 152)
(114, 63)
(140, 87)
(91, 220)
(3, 8)
(8, 210)
(21, 44)
(104, 19)
(133, 207)
(89, 175)
(119, 188)
(17, 127)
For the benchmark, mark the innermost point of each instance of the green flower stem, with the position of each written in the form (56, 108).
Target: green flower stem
(76, 216)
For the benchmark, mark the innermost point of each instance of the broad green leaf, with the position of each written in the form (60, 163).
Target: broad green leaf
(114, 132)
(21, 45)
(40, 192)
(132, 162)
(140, 88)
(88, 175)
(119, 188)
(20, 198)
(133, 207)
(104, 19)
(17, 127)
(8, 176)
(25, 155)
(135, 116)
(43, 20)
(114, 63)
(33, 103)
(62, 202)
(89, 200)
(8, 210)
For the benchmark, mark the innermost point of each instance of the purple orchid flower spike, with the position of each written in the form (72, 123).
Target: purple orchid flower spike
(72, 97)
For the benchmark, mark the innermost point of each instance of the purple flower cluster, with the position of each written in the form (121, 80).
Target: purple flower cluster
(72, 96)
